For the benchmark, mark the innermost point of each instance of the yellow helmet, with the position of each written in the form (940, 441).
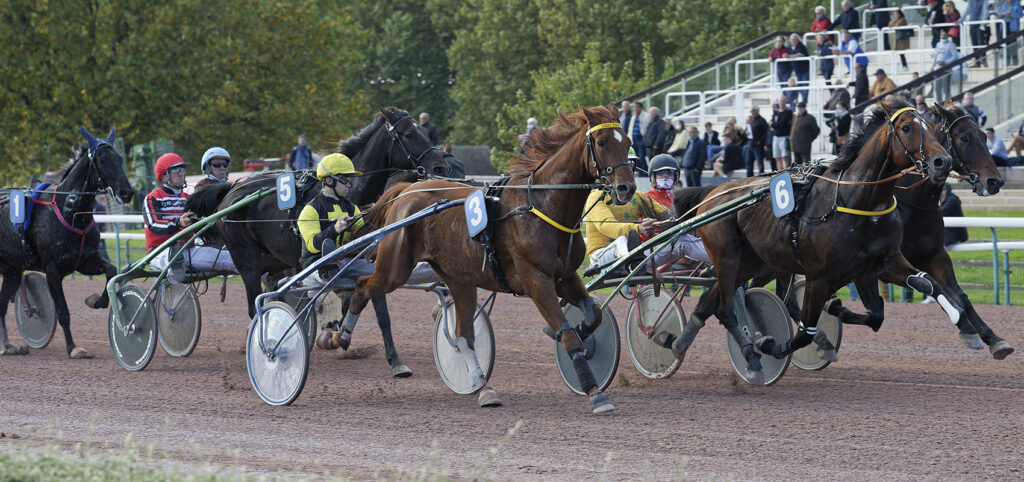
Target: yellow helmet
(335, 165)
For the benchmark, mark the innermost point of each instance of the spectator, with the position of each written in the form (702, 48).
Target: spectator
(977, 10)
(782, 69)
(680, 141)
(802, 68)
(694, 158)
(824, 48)
(431, 130)
(880, 19)
(730, 131)
(840, 126)
(850, 46)
(821, 22)
(524, 142)
(669, 136)
(922, 108)
(861, 90)
(952, 16)
(654, 135)
(847, 19)
(757, 137)
(624, 109)
(805, 131)
(782, 125)
(710, 135)
(729, 158)
(635, 125)
(1018, 140)
(1010, 12)
(935, 17)
(300, 158)
(945, 54)
(949, 204)
(901, 37)
(996, 147)
(792, 93)
(882, 85)
(976, 113)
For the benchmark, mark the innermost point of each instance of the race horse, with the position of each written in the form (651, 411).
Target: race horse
(536, 248)
(61, 236)
(923, 228)
(263, 239)
(844, 228)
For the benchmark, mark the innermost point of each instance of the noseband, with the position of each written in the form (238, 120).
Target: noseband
(972, 177)
(592, 157)
(416, 161)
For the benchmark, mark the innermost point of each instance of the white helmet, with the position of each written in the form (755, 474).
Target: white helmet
(214, 153)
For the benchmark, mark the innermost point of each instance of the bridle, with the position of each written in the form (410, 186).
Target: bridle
(947, 142)
(592, 157)
(921, 164)
(416, 161)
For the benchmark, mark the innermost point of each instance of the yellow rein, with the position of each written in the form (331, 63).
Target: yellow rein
(868, 213)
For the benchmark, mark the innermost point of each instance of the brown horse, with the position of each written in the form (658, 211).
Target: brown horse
(845, 228)
(537, 249)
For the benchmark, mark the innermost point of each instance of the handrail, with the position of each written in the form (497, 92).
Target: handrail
(984, 85)
(942, 71)
(704, 65)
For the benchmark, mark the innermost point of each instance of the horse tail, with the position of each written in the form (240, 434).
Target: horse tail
(204, 201)
(376, 217)
(684, 199)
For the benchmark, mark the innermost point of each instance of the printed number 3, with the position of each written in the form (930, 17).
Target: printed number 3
(781, 195)
(478, 214)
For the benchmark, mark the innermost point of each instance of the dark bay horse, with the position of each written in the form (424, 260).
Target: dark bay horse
(537, 257)
(845, 229)
(923, 228)
(61, 237)
(261, 237)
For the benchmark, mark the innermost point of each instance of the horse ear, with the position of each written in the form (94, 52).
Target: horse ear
(613, 109)
(112, 136)
(386, 114)
(591, 118)
(93, 143)
(448, 147)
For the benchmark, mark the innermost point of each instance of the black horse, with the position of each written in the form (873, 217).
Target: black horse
(923, 228)
(390, 149)
(61, 237)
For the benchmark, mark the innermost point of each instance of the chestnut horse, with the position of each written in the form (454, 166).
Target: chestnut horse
(846, 229)
(535, 244)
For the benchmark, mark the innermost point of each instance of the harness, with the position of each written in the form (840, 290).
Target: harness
(395, 139)
(947, 143)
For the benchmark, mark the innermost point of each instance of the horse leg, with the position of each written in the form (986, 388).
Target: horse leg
(783, 289)
(867, 286)
(11, 283)
(253, 288)
(941, 267)
(727, 317)
(573, 291)
(815, 293)
(398, 369)
(464, 298)
(539, 287)
(707, 305)
(55, 281)
(93, 266)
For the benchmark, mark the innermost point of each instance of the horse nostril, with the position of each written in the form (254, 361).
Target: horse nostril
(938, 162)
(994, 185)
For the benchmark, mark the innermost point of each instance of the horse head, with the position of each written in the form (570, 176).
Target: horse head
(913, 141)
(607, 152)
(108, 165)
(411, 147)
(966, 145)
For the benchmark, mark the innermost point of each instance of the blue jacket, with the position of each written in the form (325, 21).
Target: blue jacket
(301, 158)
(1013, 9)
(696, 154)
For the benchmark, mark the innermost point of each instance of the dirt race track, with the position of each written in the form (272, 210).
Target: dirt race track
(908, 403)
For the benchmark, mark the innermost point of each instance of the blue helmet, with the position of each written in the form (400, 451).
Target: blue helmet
(214, 153)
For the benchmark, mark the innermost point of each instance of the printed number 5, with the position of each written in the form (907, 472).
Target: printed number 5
(478, 214)
(286, 190)
(781, 195)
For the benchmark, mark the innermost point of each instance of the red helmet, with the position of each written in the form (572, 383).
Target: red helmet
(166, 162)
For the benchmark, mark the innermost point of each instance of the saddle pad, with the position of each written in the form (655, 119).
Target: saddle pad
(29, 204)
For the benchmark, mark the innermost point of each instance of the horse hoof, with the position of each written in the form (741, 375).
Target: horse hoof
(1000, 350)
(13, 350)
(600, 403)
(435, 311)
(401, 371)
(972, 341)
(763, 345)
(829, 355)
(93, 301)
(755, 377)
(488, 398)
(330, 340)
(79, 353)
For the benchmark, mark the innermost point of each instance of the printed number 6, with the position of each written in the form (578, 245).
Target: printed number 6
(781, 195)
(478, 214)
(286, 190)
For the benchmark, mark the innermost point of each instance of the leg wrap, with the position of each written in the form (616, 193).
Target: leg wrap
(921, 282)
(587, 307)
(350, 321)
(683, 341)
(579, 363)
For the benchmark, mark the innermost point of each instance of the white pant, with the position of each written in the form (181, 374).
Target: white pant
(687, 245)
(198, 258)
(422, 273)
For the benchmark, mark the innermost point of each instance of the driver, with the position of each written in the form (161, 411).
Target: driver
(664, 175)
(216, 162)
(165, 215)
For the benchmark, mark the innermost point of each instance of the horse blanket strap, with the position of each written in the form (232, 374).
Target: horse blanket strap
(69, 226)
(607, 125)
(869, 213)
(553, 222)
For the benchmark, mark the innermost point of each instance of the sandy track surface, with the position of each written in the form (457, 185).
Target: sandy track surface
(907, 403)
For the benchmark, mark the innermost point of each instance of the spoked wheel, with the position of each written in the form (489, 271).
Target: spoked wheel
(134, 344)
(452, 365)
(178, 318)
(650, 314)
(601, 347)
(35, 310)
(807, 357)
(279, 368)
(764, 314)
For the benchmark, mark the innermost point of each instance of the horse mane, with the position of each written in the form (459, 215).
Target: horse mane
(78, 150)
(353, 144)
(543, 142)
(205, 200)
(875, 118)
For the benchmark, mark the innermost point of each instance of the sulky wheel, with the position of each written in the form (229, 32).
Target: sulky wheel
(134, 339)
(34, 309)
(278, 367)
(451, 363)
(807, 357)
(650, 314)
(178, 318)
(764, 314)
(298, 301)
(602, 351)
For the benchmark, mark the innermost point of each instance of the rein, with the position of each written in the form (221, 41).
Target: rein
(971, 176)
(395, 139)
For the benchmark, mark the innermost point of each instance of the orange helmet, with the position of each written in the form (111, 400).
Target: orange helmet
(165, 162)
